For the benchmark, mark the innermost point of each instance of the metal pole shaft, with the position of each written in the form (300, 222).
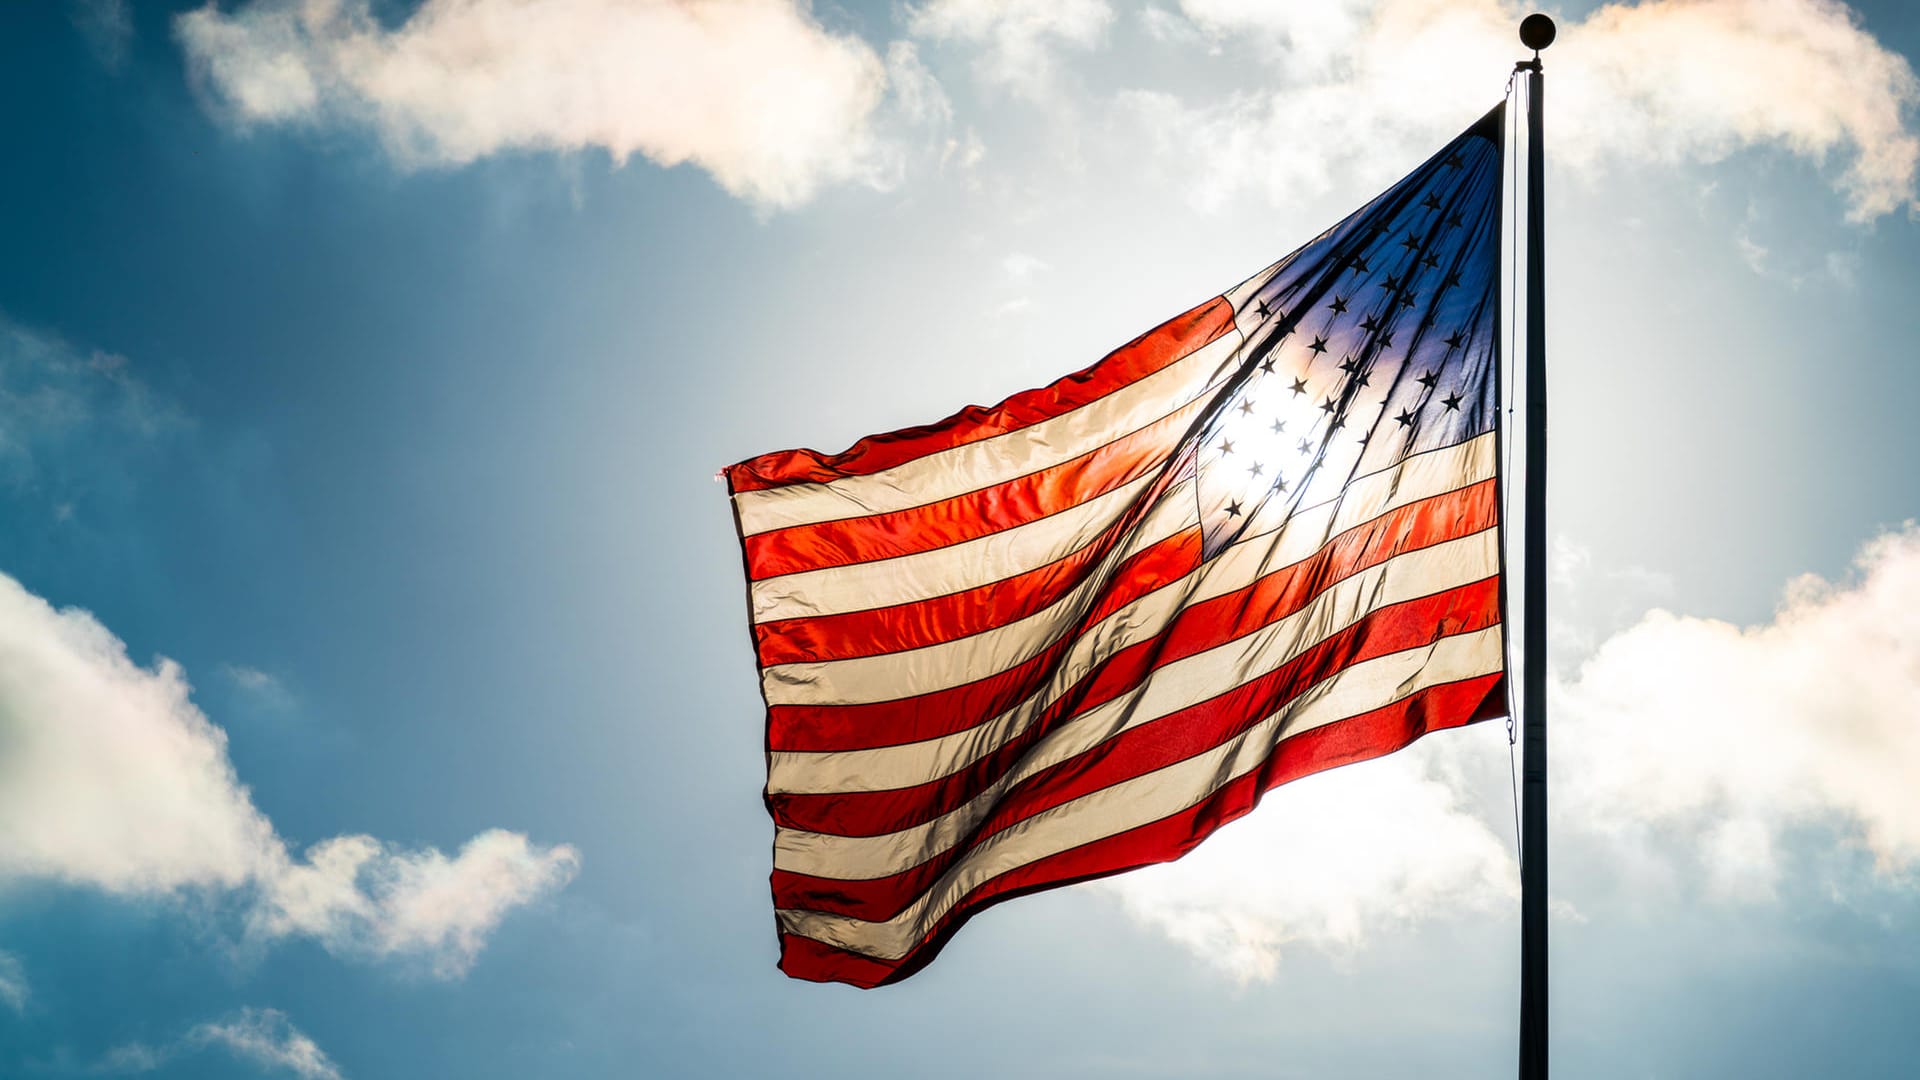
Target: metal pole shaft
(1533, 845)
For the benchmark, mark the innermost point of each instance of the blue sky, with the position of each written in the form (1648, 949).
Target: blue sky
(375, 694)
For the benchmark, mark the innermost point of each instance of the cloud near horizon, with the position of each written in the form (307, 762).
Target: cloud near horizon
(756, 92)
(1686, 748)
(112, 779)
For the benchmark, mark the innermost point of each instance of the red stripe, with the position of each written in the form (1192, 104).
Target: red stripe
(1138, 751)
(1359, 738)
(805, 958)
(1144, 355)
(818, 728)
(799, 548)
(920, 623)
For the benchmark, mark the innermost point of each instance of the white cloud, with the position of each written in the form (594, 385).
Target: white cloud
(1687, 752)
(357, 895)
(1662, 80)
(1695, 79)
(1017, 38)
(266, 1038)
(1325, 862)
(776, 105)
(756, 92)
(1740, 734)
(13, 982)
(110, 778)
(263, 1038)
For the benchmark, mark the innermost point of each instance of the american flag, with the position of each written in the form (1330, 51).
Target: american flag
(1076, 632)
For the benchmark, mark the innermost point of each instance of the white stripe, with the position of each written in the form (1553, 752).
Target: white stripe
(1158, 794)
(972, 563)
(1001, 555)
(960, 469)
(913, 672)
(1179, 685)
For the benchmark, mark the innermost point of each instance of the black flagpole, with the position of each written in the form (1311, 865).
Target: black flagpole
(1536, 32)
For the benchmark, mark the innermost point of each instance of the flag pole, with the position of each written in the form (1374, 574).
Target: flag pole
(1536, 33)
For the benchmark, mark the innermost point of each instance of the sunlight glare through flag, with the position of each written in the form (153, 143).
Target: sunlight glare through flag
(1076, 632)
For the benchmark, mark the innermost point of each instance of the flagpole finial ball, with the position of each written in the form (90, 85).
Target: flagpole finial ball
(1536, 31)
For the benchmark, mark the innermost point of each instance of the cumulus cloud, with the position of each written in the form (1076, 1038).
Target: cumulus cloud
(111, 778)
(756, 92)
(1017, 39)
(1660, 80)
(263, 1038)
(1686, 751)
(358, 895)
(1698, 78)
(1740, 734)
